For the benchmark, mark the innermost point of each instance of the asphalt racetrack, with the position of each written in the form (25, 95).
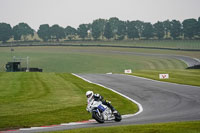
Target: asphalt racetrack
(161, 102)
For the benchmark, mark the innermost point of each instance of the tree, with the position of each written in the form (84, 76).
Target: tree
(108, 31)
(57, 32)
(198, 27)
(132, 31)
(139, 25)
(22, 29)
(83, 31)
(175, 29)
(70, 32)
(189, 28)
(159, 30)
(167, 28)
(17, 32)
(121, 30)
(96, 29)
(114, 23)
(5, 32)
(44, 32)
(147, 30)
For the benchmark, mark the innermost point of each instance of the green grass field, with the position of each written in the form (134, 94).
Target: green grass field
(189, 77)
(36, 99)
(90, 59)
(181, 127)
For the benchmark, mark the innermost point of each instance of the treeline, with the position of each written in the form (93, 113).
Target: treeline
(102, 29)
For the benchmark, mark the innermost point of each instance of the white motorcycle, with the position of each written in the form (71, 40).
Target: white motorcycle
(101, 112)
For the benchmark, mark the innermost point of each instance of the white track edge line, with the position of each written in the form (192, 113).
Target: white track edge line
(79, 123)
(124, 116)
(197, 60)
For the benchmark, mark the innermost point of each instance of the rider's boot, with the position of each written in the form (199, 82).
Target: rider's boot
(114, 111)
(105, 102)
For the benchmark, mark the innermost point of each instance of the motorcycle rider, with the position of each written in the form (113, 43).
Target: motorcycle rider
(97, 97)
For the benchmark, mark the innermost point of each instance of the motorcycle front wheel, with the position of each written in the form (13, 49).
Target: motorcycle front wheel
(98, 117)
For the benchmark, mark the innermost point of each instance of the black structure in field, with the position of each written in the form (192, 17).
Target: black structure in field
(16, 67)
(13, 67)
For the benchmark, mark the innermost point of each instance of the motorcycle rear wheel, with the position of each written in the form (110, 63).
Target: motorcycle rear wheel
(118, 117)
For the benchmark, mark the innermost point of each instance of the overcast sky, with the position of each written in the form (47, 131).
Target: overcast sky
(75, 12)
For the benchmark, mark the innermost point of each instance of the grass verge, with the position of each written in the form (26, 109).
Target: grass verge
(188, 77)
(38, 99)
(180, 127)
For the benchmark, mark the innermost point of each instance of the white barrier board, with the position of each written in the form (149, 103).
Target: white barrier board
(128, 71)
(164, 76)
(109, 73)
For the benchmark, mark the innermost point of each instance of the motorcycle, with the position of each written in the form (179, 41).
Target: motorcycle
(102, 113)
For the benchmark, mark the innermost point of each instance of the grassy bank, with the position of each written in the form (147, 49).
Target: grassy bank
(36, 99)
(189, 77)
(181, 127)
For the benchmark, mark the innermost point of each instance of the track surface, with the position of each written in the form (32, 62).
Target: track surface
(186, 59)
(161, 102)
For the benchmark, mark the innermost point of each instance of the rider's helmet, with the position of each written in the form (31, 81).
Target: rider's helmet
(89, 95)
